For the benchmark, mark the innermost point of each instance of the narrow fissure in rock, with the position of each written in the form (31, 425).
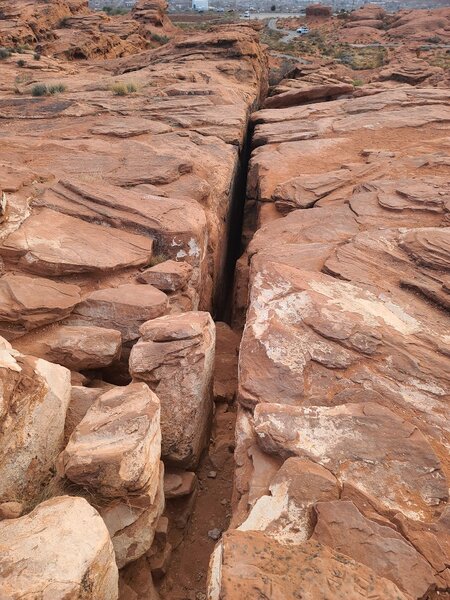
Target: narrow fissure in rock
(223, 312)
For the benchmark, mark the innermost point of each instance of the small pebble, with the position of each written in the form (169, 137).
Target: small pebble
(223, 501)
(212, 474)
(214, 534)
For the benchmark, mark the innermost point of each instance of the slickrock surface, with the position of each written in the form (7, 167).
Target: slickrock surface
(344, 360)
(37, 557)
(175, 357)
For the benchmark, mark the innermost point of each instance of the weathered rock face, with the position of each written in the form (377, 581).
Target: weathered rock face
(344, 361)
(250, 564)
(35, 397)
(175, 357)
(61, 550)
(342, 527)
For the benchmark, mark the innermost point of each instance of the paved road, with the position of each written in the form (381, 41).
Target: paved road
(288, 34)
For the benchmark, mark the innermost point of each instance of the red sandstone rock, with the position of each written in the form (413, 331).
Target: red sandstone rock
(81, 247)
(125, 308)
(175, 357)
(36, 395)
(342, 527)
(115, 448)
(74, 347)
(30, 302)
(168, 276)
(250, 564)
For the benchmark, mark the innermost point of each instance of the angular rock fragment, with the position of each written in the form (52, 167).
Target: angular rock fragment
(60, 550)
(249, 564)
(124, 308)
(30, 302)
(342, 527)
(74, 347)
(175, 357)
(168, 276)
(35, 398)
(115, 449)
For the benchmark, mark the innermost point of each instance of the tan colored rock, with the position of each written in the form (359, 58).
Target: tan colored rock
(251, 565)
(124, 308)
(30, 302)
(131, 525)
(175, 357)
(287, 514)
(115, 449)
(11, 510)
(74, 347)
(61, 550)
(35, 398)
(342, 527)
(179, 483)
(82, 247)
(168, 276)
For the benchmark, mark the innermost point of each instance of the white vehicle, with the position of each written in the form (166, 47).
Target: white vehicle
(247, 14)
(303, 30)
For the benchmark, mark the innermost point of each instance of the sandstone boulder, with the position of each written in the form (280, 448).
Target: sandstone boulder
(60, 550)
(168, 276)
(115, 449)
(125, 308)
(35, 398)
(175, 357)
(251, 565)
(74, 347)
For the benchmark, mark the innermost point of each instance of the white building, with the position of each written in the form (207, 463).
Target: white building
(200, 5)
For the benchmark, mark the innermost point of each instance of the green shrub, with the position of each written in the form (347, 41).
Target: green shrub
(57, 88)
(131, 88)
(161, 39)
(21, 63)
(40, 89)
(37, 56)
(435, 39)
(358, 82)
(4, 53)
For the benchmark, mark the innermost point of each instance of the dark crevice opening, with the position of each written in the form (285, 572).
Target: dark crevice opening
(234, 247)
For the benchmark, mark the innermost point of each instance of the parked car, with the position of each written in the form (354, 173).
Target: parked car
(303, 30)
(247, 14)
